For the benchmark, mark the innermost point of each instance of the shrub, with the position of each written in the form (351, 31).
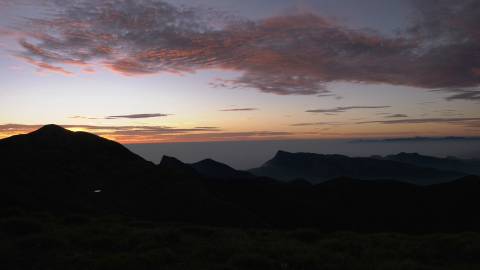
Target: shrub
(252, 262)
(40, 243)
(20, 226)
(309, 236)
(74, 220)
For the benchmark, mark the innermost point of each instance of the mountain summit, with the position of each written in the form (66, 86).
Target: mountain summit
(211, 168)
(53, 145)
(319, 168)
(51, 130)
(448, 163)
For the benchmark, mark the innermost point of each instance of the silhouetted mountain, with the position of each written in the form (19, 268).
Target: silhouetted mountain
(300, 182)
(63, 147)
(57, 168)
(318, 168)
(176, 168)
(59, 153)
(471, 166)
(64, 172)
(214, 169)
(418, 139)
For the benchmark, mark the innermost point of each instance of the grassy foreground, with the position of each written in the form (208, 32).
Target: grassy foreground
(43, 241)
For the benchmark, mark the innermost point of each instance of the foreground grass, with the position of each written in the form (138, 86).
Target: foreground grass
(43, 241)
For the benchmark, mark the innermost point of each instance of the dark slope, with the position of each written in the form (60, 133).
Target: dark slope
(60, 147)
(471, 166)
(175, 168)
(63, 171)
(214, 169)
(349, 204)
(58, 171)
(175, 192)
(318, 168)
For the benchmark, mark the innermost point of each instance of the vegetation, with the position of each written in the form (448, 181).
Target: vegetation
(33, 240)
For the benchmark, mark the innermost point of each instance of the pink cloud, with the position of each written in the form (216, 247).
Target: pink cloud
(297, 54)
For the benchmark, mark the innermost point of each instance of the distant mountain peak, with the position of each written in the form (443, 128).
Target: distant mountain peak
(408, 154)
(170, 161)
(173, 166)
(208, 161)
(213, 163)
(320, 167)
(213, 168)
(414, 155)
(282, 153)
(52, 129)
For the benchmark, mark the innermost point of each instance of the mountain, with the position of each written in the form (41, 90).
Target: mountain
(471, 166)
(55, 144)
(61, 172)
(176, 168)
(318, 168)
(214, 169)
(60, 153)
(56, 168)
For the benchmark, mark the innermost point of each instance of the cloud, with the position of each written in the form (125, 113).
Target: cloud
(137, 116)
(464, 121)
(239, 110)
(234, 136)
(208, 127)
(3, 31)
(417, 139)
(344, 109)
(277, 83)
(127, 116)
(448, 112)
(84, 117)
(109, 129)
(461, 94)
(44, 66)
(89, 70)
(398, 115)
(5, 3)
(318, 124)
(327, 94)
(292, 54)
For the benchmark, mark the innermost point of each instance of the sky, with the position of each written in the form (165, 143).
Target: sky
(163, 71)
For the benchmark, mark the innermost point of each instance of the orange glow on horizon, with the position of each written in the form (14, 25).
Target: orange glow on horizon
(135, 135)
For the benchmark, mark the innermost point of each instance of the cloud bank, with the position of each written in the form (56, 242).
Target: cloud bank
(239, 110)
(137, 116)
(462, 94)
(473, 122)
(344, 109)
(127, 116)
(285, 55)
(397, 115)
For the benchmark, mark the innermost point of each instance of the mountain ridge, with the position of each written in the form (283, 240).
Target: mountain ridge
(64, 172)
(471, 166)
(211, 168)
(321, 167)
